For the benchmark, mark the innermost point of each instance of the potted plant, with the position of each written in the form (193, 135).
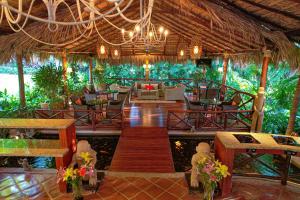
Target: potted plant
(48, 79)
(99, 77)
(211, 171)
(74, 176)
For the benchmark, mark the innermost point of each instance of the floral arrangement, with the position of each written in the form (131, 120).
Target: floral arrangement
(74, 176)
(211, 172)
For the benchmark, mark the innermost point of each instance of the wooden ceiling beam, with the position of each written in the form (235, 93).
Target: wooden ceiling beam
(273, 10)
(205, 24)
(179, 21)
(257, 18)
(188, 34)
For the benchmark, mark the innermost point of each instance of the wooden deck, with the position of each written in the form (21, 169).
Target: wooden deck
(143, 149)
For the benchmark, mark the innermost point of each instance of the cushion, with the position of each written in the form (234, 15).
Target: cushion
(155, 86)
(78, 101)
(143, 86)
(149, 87)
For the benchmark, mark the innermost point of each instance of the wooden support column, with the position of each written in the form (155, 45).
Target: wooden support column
(147, 69)
(64, 65)
(225, 67)
(294, 109)
(258, 115)
(264, 70)
(91, 71)
(21, 81)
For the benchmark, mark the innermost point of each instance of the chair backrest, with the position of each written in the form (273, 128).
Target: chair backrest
(212, 93)
(236, 100)
(90, 97)
(202, 93)
(114, 86)
(187, 102)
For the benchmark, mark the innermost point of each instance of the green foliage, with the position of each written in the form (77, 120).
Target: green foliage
(48, 78)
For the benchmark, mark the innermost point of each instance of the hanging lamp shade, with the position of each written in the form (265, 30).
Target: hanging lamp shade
(182, 52)
(102, 51)
(115, 53)
(196, 52)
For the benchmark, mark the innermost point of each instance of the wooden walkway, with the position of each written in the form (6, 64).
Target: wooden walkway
(143, 149)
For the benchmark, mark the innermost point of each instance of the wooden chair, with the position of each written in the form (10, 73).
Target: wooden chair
(212, 93)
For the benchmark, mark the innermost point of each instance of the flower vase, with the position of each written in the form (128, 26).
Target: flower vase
(77, 189)
(208, 193)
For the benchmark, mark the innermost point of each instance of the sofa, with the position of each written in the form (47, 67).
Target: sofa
(151, 90)
(174, 93)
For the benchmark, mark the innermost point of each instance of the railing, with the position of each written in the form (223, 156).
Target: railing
(231, 120)
(86, 119)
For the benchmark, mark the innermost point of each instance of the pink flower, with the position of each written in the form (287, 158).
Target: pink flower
(213, 177)
(208, 168)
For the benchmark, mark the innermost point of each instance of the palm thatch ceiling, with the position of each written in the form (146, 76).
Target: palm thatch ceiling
(232, 26)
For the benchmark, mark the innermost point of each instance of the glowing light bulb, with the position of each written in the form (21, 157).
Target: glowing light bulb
(150, 34)
(123, 31)
(137, 28)
(116, 52)
(166, 32)
(196, 50)
(181, 53)
(130, 34)
(102, 49)
(161, 30)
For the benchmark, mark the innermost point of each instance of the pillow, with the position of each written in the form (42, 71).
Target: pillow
(149, 87)
(143, 86)
(78, 101)
(155, 86)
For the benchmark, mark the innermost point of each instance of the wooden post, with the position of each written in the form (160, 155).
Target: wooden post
(258, 115)
(64, 65)
(294, 109)
(147, 69)
(264, 70)
(225, 67)
(91, 71)
(21, 81)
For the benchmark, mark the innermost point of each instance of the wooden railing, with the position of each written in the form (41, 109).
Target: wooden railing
(85, 119)
(231, 120)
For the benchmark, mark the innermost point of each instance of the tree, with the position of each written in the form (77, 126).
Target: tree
(294, 109)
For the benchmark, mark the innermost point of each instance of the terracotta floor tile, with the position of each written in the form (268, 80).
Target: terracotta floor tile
(130, 191)
(106, 191)
(153, 191)
(164, 183)
(167, 196)
(178, 190)
(142, 183)
(116, 196)
(142, 196)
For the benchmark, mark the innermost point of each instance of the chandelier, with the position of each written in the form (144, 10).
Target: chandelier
(87, 21)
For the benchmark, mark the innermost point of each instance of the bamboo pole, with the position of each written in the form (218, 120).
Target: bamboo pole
(264, 70)
(294, 110)
(225, 68)
(64, 65)
(21, 80)
(258, 115)
(91, 70)
(147, 69)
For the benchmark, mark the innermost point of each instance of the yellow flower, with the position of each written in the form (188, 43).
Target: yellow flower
(218, 163)
(223, 169)
(86, 157)
(68, 173)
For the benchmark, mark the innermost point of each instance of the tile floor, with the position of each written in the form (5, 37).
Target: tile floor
(43, 186)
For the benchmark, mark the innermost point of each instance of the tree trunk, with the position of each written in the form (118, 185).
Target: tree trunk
(21, 81)
(294, 110)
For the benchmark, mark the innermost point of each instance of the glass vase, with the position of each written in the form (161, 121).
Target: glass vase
(209, 191)
(77, 190)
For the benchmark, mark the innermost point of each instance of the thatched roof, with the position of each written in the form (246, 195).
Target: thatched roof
(241, 28)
